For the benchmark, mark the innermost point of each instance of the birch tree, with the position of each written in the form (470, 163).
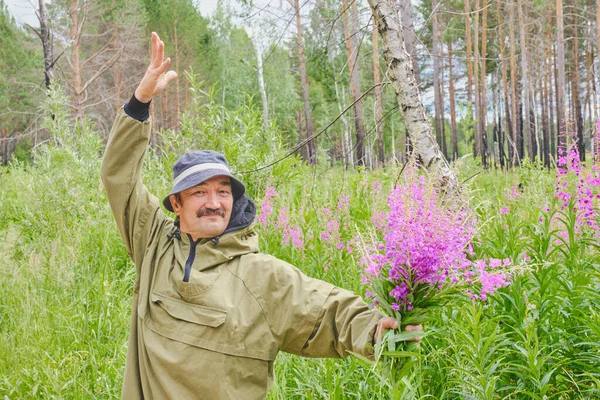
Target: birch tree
(402, 78)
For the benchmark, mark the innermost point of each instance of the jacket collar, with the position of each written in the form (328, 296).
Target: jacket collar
(209, 254)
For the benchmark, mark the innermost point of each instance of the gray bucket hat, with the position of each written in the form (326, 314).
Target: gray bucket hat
(195, 167)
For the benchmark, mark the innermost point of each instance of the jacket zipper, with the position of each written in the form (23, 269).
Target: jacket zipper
(190, 259)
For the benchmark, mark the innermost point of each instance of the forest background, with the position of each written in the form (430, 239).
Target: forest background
(303, 89)
(501, 80)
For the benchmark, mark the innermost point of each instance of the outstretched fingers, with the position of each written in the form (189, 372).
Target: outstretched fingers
(165, 64)
(161, 53)
(155, 41)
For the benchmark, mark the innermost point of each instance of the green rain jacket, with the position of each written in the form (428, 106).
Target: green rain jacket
(217, 335)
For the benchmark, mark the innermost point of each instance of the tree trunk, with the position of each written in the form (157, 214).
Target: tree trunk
(453, 134)
(545, 128)
(597, 37)
(469, 56)
(442, 79)
(75, 62)
(435, 37)
(553, 106)
(501, 132)
(117, 77)
(575, 79)
(46, 44)
(302, 134)
(482, 102)
(346, 139)
(589, 68)
(407, 92)
(508, 124)
(476, 89)
(517, 155)
(560, 92)
(527, 100)
(261, 85)
(408, 31)
(175, 120)
(351, 32)
(311, 148)
(378, 90)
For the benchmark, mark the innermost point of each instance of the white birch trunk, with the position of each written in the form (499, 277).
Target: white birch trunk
(261, 85)
(402, 78)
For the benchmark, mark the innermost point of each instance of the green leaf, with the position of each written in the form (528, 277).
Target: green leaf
(404, 336)
(364, 360)
(402, 354)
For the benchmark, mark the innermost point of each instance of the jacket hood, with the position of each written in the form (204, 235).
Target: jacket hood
(242, 214)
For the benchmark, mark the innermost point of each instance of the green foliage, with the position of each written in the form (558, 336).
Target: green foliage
(178, 22)
(66, 281)
(466, 127)
(238, 134)
(63, 273)
(22, 153)
(20, 67)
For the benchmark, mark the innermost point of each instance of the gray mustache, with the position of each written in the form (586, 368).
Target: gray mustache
(210, 211)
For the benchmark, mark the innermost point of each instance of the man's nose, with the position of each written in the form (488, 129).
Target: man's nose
(212, 201)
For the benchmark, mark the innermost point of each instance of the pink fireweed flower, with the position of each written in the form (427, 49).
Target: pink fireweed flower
(379, 220)
(515, 192)
(576, 191)
(495, 263)
(597, 152)
(504, 210)
(325, 213)
(293, 236)
(425, 247)
(331, 234)
(343, 205)
(283, 219)
(266, 208)
(376, 187)
(400, 292)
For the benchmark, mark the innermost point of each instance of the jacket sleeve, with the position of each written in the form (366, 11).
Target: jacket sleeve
(313, 318)
(345, 324)
(131, 203)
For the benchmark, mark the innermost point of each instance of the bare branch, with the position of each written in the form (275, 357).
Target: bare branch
(102, 50)
(106, 66)
(35, 30)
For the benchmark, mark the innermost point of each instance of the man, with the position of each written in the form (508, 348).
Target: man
(210, 313)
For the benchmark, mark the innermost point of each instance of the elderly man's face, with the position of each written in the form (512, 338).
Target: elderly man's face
(205, 210)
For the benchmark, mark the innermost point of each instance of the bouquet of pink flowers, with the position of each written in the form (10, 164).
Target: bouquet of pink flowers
(424, 257)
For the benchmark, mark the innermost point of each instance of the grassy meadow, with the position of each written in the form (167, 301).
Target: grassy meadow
(66, 280)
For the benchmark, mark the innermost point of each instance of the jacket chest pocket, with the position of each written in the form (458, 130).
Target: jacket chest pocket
(188, 312)
(204, 327)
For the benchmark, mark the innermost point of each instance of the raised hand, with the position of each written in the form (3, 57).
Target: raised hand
(156, 77)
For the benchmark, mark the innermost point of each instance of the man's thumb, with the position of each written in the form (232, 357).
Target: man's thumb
(170, 75)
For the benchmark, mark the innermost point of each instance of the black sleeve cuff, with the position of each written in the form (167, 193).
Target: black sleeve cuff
(137, 110)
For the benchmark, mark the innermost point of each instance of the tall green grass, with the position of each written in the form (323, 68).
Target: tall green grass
(66, 280)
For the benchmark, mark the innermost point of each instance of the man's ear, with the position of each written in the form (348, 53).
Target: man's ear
(175, 204)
